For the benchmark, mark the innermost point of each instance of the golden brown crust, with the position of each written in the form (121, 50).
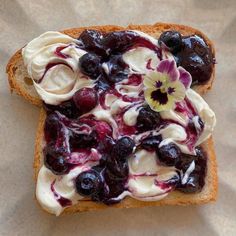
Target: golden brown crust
(208, 193)
(154, 30)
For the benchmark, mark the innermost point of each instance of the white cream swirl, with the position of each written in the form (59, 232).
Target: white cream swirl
(146, 177)
(52, 62)
(64, 187)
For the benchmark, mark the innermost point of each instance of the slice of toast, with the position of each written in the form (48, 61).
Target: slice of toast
(21, 83)
(208, 193)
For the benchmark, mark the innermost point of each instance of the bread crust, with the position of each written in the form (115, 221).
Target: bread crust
(28, 92)
(208, 194)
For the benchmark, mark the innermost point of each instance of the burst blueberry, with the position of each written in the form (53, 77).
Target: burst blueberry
(54, 159)
(116, 69)
(92, 42)
(172, 39)
(147, 119)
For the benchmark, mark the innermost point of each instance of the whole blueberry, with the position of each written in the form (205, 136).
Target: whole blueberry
(90, 64)
(88, 183)
(123, 148)
(52, 127)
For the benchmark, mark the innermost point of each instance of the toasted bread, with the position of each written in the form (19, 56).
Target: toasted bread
(21, 84)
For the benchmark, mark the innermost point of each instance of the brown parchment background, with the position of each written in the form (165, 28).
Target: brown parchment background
(22, 20)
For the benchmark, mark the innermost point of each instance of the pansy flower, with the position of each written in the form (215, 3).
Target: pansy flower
(166, 85)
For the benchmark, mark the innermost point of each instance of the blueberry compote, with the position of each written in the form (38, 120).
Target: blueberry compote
(192, 53)
(75, 136)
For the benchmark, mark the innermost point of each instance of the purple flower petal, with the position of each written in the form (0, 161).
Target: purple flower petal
(169, 67)
(185, 77)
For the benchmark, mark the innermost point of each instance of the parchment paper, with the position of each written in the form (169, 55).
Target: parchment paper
(21, 21)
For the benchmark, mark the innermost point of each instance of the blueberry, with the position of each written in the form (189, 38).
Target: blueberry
(90, 64)
(116, 69)
(169, 154)
(52, 127)
(192, 185)
(102, 83)
(54, 159)
(92, 42)
(123, 148)
(115, 186)
(66, 108)
(147, 119)
(81, 140)
(85, 99)
(196, 179)
(118, 167)
(119, 41)
(196, 57)
(172, 39)
(88, 183)
(151, 143)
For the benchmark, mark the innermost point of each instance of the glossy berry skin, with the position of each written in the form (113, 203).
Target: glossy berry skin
(92, 42)
(196, 179)
(52, 127)
(54, 159)
(151, 143)
(88, 183)
(90, 64)
(119, 41)
(118, 167)
(123, 148)
(147, 119)
(117, 69)
(115, 185)
(85, 99)
(66, 108)
(169, 154)
(196, 57)
(172, 39)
